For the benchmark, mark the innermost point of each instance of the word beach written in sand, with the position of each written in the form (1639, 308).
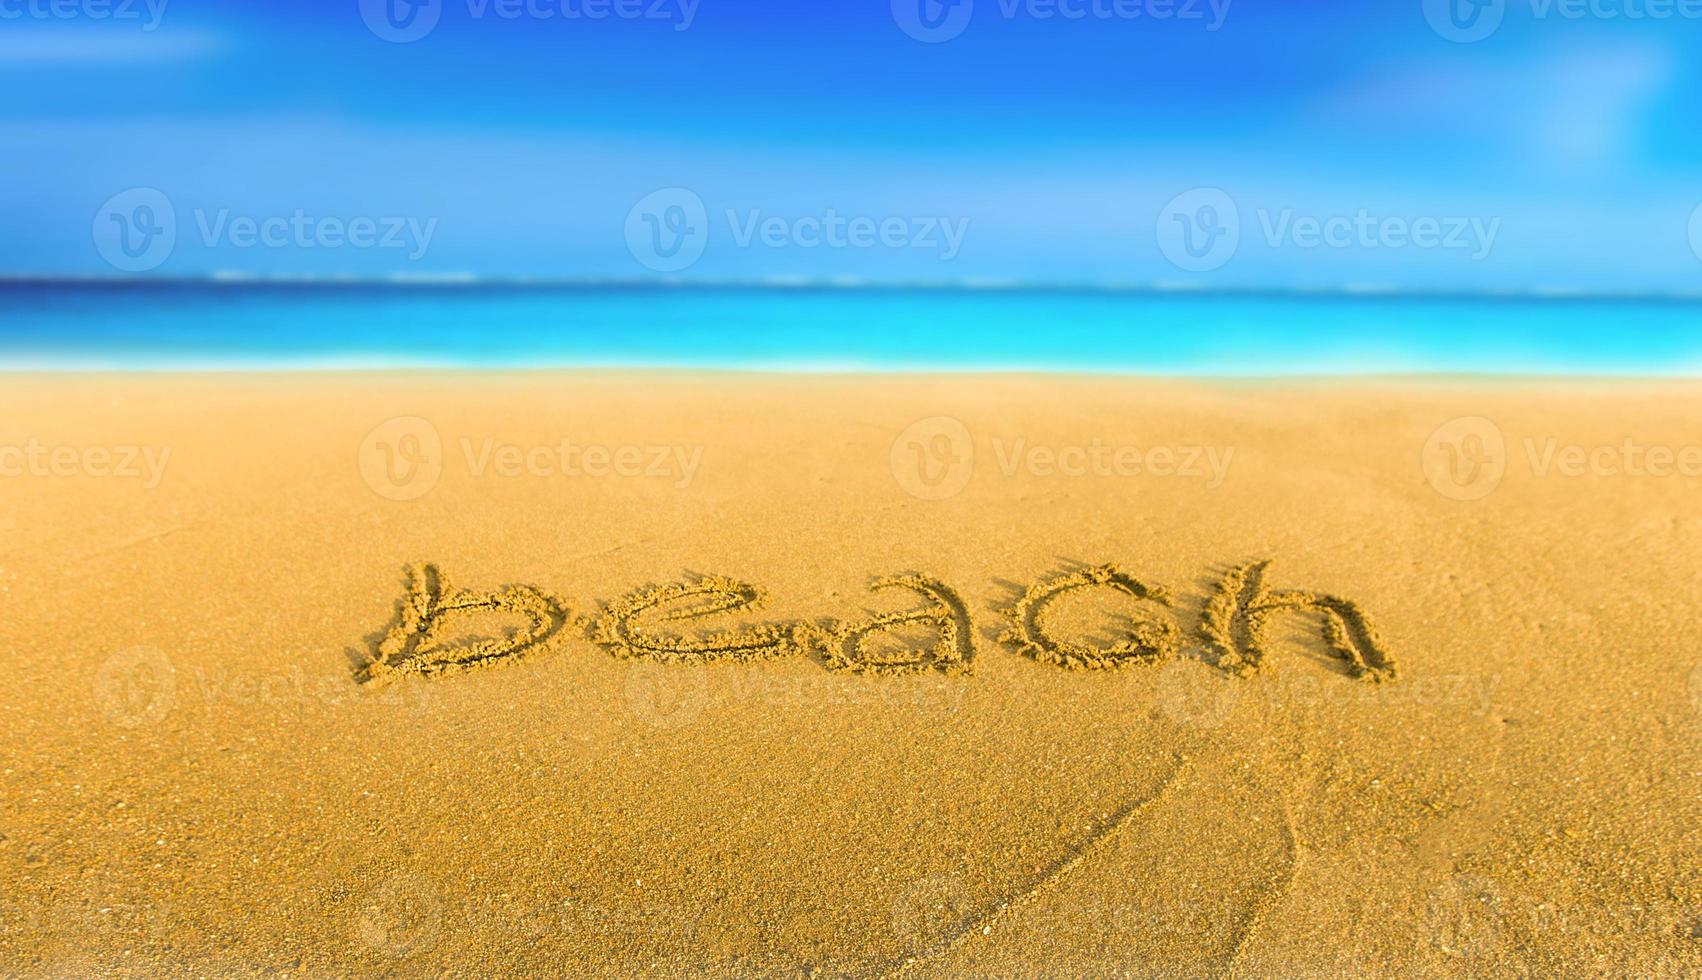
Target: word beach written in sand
(656, 623)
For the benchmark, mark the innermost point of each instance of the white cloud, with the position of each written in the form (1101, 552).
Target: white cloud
(1576, 109)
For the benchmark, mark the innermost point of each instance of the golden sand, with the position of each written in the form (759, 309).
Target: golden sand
(771, 676)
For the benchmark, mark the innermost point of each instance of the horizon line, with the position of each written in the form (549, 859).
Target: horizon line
(356, 364)
(855, 284)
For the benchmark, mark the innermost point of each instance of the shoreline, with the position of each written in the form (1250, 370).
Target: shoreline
(601, 370)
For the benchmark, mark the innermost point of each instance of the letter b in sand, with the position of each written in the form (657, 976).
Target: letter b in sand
(1465, 459)
(933, 459)
(402, 459)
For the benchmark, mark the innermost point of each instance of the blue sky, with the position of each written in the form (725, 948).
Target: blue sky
(1563, 150)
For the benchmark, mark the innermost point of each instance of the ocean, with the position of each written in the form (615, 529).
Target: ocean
(250, 325)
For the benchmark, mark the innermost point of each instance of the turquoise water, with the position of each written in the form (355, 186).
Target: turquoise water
(211, 325)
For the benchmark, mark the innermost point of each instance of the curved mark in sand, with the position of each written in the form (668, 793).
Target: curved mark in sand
(1149, 641)
(1048, 880)
(846, 647)
(411, 645)
(1269, 898)
(619, 630)
(1236, 616)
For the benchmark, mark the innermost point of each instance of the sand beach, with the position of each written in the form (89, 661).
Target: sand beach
(1468, 742)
